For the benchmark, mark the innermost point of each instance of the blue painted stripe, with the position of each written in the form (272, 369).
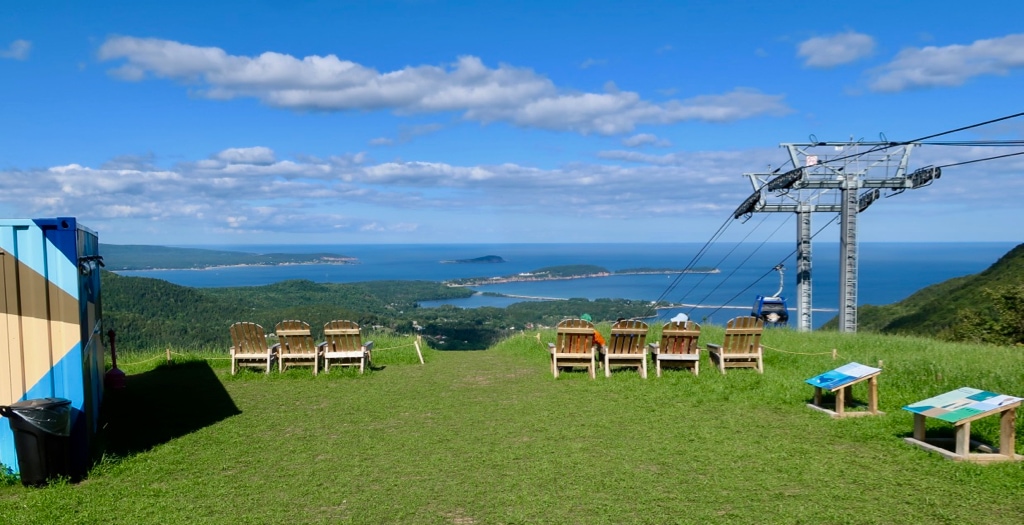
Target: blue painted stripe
(64, 380)
(30, 245)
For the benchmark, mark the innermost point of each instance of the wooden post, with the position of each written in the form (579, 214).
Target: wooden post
(919, 427)
(873, 394)
(1007, 432)
(416, 343)
(817, 396)
(963, 439)
(834, 354)
(168, 355)
(840, 401)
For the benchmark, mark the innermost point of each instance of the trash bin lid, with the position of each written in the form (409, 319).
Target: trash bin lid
(51, 414)
(41, 403)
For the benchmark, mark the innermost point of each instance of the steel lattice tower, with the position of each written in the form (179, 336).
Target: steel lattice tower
(829, 177)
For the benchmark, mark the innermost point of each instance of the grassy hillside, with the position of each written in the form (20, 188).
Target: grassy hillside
(950, 308)
(491, 437)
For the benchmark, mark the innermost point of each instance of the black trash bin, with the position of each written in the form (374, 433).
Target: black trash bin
(42, 438)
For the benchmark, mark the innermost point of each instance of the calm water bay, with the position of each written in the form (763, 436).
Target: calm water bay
(888, 272)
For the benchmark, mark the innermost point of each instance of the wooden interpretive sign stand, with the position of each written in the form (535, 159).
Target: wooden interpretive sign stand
(840, 382)
(960, 407)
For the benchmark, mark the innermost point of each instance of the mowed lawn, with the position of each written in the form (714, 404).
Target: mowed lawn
(491, 437)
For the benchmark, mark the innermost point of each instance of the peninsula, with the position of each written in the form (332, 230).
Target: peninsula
(118, 257)
(573, 271)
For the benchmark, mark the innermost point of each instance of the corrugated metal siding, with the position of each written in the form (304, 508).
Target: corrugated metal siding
(50, 319)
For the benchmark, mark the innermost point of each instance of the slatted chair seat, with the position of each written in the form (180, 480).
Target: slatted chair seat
(297, 347)
(573, 346)
(343, 346)
(249, 347)
(741, 347)
(626, 347)
(678, 347)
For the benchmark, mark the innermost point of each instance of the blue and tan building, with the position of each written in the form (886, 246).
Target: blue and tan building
(51, 342)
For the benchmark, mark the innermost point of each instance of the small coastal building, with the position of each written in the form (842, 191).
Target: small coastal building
(50, 325)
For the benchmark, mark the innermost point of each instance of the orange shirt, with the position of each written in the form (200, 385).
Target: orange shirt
(598, 338)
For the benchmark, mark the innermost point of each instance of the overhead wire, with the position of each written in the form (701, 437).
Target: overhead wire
(921, 140)
(784, 259)
(697, 257)
(736, 269)
(981, 160)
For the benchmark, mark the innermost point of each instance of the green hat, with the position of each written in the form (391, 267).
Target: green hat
(587, 318)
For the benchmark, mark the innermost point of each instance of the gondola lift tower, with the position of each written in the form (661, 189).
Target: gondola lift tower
(833, 177)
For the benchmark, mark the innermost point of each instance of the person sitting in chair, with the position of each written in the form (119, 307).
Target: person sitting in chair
(598, 338)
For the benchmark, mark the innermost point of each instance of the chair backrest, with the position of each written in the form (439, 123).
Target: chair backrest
(248, 338)
(295, 337)
(679, 337)
(628, 337)
(342, 336)
(574, 336)
(743, 335)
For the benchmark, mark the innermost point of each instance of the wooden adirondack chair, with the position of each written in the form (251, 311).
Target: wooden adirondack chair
(343, 344)
(573, 346)
(297, 346)
(741, 346)
(678, 347)
(249, 347)
(626, 347)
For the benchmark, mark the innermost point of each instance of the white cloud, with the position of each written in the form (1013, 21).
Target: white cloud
(835, 50)
(643, 139)
(591, 62)
(346, 194)
(950, 65)
(505, 93)
(18, 50)
(256, 155)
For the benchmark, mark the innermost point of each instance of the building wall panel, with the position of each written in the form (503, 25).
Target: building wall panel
(50, 323)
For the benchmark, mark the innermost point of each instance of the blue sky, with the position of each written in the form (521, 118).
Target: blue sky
(437, 122)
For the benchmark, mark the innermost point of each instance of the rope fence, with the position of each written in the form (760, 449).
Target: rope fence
(169, 353)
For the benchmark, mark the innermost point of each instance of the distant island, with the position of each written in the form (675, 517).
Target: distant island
(572, 271)
(117, 257)
(486, 259)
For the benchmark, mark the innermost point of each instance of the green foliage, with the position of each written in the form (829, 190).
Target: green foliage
(569, 270)
(978, 307)
(154, 314)
(8, 477)
(1003, 324)
(548, 272)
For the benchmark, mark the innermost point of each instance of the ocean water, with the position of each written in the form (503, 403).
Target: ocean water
(887, 272)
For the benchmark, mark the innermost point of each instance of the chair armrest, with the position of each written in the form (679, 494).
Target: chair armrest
(654, 348)
(368, 346)
(274, 350)
(551, 347)
(713, 347)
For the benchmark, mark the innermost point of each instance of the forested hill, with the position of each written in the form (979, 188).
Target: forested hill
(152, 313)
(984, 307)
(145, 257)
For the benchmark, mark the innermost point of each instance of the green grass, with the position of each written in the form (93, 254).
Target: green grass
(491, 437)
